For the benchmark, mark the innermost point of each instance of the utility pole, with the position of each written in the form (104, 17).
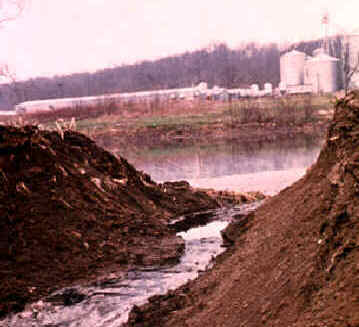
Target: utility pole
(325, 23)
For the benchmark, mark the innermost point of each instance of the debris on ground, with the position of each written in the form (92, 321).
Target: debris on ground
(69, 209)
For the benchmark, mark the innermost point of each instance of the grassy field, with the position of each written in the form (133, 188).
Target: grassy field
(172, 115)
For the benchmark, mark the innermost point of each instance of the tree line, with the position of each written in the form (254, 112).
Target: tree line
(216, 64)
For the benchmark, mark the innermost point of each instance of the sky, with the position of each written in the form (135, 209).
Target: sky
(58, 37)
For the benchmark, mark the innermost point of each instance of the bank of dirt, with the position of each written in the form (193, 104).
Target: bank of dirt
(293, 262)
(69, 210)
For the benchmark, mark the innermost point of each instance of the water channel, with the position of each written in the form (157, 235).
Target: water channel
(266, 167)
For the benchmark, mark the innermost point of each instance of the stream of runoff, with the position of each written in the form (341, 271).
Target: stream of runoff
(265, 167)
(107, 302)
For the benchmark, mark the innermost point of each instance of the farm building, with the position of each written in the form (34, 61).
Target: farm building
(304, 74)
(201, 91)
(321, 73)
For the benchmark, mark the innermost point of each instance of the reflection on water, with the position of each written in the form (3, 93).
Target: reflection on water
(225, 159)
(108, 303)
(267, 182)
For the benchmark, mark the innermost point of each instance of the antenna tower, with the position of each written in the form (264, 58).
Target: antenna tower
(325, 23)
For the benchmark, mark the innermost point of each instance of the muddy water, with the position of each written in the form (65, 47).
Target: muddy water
(264, 166)
(107, 302)
(267, 167)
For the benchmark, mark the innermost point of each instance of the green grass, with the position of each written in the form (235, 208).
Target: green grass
(287, 110)
(174, 121)
(193, 114)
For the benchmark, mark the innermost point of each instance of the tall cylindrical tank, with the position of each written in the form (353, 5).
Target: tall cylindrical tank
(321, 72)
(268, 88)
(292, 67)
(255, 87)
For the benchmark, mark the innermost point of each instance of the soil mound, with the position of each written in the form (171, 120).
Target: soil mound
(295, 261)
(68, 209)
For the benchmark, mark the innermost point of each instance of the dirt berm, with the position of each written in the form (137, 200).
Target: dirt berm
(295, 261)
(69, 209)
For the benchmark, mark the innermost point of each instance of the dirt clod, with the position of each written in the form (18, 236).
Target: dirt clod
(69, 210)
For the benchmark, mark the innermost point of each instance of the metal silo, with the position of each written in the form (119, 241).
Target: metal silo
(321, 72)
(255, 87)
(268, 89)
(292, 67)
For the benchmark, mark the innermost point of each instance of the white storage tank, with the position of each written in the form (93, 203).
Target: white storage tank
(321, 72)
(268, 88)
(254, 91)
(292, 68)
(255, 87)
(203, 86)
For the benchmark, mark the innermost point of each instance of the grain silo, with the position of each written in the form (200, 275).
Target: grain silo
(268, 87)
(255, 87)
(321, 72)
(292, 67)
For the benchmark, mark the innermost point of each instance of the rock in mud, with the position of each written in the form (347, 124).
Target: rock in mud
(68, 297)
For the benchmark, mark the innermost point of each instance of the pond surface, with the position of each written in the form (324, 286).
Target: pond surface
(261, 166)
(267, 167)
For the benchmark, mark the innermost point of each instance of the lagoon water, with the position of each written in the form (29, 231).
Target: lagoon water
(265, 167)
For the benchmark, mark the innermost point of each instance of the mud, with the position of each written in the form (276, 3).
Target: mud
(294, 261)
(71, 211)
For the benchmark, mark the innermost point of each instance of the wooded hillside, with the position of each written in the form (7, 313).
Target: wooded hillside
(217, 65)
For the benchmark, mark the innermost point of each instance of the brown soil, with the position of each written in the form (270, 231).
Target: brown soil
(69, 210)
(294, 262)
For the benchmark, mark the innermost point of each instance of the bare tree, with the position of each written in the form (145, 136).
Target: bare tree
(17, 93)
(10, 10)
(349, 63)
(349, 72)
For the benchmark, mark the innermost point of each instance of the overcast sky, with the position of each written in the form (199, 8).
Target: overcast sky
(64, 36)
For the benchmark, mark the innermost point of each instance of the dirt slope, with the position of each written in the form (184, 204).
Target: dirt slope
(69, 209)
(295, 261)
